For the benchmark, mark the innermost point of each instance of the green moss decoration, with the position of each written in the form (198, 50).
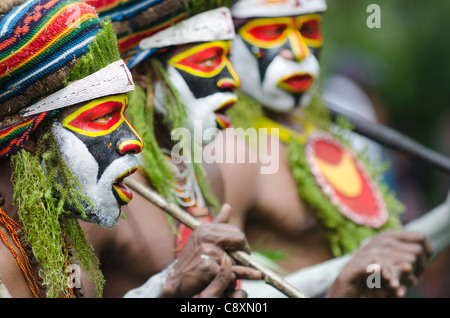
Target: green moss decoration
(41, 199)
(102, 52)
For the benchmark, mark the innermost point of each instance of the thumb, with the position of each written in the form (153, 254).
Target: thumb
(224, 214)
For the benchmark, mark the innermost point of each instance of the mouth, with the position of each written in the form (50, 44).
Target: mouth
(222, 118)
(123, 193)
(297, 83)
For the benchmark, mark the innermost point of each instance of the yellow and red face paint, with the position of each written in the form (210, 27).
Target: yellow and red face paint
(102, 127)
(100, 117)
(302, 31)
(207, 60)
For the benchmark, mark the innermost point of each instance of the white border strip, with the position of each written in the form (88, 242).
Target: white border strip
(111, 80)
(271, 8)
(212, 25)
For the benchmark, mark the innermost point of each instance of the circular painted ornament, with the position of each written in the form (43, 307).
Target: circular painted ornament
(343, 179)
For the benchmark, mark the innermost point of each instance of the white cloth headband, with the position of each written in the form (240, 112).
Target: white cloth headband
(111, 80)
(213, 25)
(276, 8)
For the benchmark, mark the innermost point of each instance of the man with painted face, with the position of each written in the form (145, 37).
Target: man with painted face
(322, 201)
(182, 74)
(65, 148)
(65, 143)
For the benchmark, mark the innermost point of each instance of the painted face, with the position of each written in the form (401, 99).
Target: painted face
(276, 59)
(99, 146)
(205, 80)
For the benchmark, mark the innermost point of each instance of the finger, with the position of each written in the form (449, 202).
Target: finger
(227, 236)
(390, 274)
(415, 248)
(224, 214)
(414, 254)
(414, 237)
(401, 257)
(245, 272)
(220, 283)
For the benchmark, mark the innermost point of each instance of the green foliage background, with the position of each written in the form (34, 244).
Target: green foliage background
(408, 65)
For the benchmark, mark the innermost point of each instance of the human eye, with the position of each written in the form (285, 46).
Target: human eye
(311, 29)
(268, 32)
(103, 119)
(212, 60)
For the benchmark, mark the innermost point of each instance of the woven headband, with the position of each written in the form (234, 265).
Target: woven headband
(134, 20)
(111, 80)
(276, 8)
(143, 27)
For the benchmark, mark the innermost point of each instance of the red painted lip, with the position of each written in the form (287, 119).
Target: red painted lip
(120, 185)
(224, 119)
(223, 108)
(297, 83)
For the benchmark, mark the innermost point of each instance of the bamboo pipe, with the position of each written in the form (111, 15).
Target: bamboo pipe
(241, 257)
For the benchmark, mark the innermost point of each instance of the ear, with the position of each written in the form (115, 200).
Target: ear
(30, 146)
(139, 75)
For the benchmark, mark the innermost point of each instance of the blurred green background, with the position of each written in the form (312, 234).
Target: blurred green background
(407, 66)
(404, 67)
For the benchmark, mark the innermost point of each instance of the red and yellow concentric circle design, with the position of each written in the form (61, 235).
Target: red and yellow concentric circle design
(343, 179)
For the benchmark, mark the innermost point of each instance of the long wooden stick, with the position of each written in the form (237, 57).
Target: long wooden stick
(391, 138)
(4, 293)
(241, 257)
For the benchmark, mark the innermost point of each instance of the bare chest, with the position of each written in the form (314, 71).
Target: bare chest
(282, 221)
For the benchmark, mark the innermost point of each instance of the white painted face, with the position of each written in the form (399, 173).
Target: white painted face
(99, 147)
(276, 59)
(205, 81)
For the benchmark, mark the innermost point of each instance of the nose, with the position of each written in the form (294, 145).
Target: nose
(129, 146)
(228, 84)
(229, 80)
(132, 144)
(296, 48)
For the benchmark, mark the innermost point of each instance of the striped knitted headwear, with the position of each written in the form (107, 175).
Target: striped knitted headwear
(136, 20)
(45, 46)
